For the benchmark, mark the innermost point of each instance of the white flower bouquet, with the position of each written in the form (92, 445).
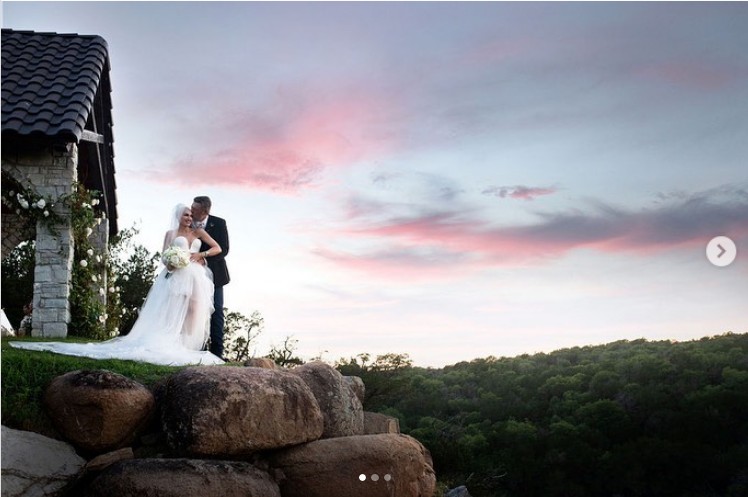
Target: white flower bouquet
(175, 258)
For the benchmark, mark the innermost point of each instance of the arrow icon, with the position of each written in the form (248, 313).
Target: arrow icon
(721, 250)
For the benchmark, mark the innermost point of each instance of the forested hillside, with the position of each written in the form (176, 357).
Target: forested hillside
(630, 418)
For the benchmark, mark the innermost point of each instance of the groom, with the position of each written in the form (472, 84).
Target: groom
(216, 228)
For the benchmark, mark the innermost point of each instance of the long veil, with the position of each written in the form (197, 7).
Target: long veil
(176, 216)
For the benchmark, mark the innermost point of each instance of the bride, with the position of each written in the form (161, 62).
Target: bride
(174, 322)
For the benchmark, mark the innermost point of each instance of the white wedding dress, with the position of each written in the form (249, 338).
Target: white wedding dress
(173, 325)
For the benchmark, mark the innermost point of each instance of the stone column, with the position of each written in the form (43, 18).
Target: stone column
(54, 248)
(52, 282)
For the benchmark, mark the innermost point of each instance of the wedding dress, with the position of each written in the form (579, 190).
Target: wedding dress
(173, 325)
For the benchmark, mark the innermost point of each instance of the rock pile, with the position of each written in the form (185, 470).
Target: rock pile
(208, 430)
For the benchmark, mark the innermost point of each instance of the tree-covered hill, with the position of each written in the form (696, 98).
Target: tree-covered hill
(630, 418)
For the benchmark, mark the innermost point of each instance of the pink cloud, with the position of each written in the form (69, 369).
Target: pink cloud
(691, 74)
(519, 191)
(287, 146)
(466, 243)
(465, 236)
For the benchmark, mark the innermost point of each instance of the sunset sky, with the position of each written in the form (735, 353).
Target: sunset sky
(446, 180)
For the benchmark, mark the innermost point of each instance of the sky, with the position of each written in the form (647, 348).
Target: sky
(445, 180)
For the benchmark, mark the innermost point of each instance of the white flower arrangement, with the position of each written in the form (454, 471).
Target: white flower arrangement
(175, 258)
(29, 204)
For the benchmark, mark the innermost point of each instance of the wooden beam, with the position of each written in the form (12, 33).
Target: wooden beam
(90, 136)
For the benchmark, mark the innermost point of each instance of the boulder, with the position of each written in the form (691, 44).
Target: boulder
(357, 385)
(375, 422)
(363, 465)
(342, 410)
(260, 362)
(103, 461)
(36, 466)
(182, 478)
(235, 411)
(97, 411)
(460, 491)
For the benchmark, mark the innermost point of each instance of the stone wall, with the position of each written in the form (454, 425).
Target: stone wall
(50, 172)
(15, 231)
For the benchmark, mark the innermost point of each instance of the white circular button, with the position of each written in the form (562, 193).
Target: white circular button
(721, 251)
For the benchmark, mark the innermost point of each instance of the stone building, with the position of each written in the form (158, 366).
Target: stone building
(56, 131)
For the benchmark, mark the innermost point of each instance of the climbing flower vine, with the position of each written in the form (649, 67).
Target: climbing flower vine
(95, 303)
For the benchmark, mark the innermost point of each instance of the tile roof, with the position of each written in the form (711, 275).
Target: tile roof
(49, 82)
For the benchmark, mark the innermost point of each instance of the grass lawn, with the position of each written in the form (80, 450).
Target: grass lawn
(26, 373)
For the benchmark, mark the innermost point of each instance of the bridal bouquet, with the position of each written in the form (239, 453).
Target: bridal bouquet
(175, 258)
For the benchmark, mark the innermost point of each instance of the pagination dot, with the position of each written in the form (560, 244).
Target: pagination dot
(362, 477)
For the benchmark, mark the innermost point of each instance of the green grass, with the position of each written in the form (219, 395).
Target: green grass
(26, 373)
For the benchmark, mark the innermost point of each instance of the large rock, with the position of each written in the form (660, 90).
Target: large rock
(460, 491)
(375, 422)
(182, 478)
(260, 362)
(357, 385)
(390, 464)
(103, 461)
(234, 411)
(97, 411)
(36, 466)
(341, 408)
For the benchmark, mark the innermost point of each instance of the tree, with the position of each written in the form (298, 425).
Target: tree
(238, 333)
(284, 355)
(382, 377)
(18, 281)
(133, 268)
(131, 271)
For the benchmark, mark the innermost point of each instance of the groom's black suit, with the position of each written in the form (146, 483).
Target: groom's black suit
(216, 228)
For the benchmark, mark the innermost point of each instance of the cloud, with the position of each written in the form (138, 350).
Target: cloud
(695, 75)
(284, 145)
(519, 191)
(449, 241)
(399, 262)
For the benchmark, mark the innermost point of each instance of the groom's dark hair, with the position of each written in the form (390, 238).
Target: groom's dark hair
(204, 201)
